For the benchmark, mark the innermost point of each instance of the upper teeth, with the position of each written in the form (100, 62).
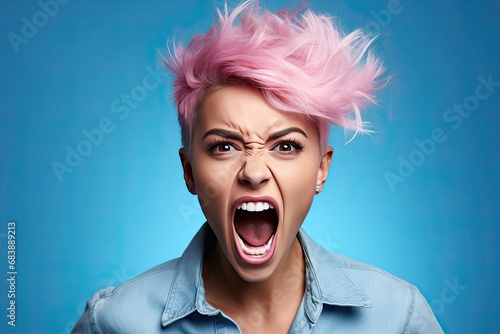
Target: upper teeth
(255, 206)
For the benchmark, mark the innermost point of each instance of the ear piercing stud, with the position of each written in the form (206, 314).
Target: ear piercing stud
(318, 188)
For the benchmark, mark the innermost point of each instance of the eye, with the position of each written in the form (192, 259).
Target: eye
(225, 147)
(284, 147)
(222, 147)
(287, 146)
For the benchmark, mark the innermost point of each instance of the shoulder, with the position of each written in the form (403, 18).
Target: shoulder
(143, 291)
(362, 284)
(139, 301)
(344, 281)
(359, 297)
(395, 303)
(372, 279)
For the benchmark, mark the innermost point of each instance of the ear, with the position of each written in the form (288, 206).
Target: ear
(188, 172)
(324, 167)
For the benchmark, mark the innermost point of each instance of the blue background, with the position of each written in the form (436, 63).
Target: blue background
(124, 207)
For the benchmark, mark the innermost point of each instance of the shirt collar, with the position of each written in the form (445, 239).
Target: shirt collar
(187, 292)
(326, 282)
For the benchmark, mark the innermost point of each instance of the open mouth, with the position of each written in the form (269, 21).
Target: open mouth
(255, 225)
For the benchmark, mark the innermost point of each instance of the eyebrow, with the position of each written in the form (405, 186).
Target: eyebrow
(236, 136)
(285, 132)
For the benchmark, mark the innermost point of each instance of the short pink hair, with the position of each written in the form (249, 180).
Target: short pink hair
(301, 64)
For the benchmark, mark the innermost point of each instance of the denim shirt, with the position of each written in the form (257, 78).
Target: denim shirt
(341, 296)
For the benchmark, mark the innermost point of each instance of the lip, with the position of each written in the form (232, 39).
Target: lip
(267, 256)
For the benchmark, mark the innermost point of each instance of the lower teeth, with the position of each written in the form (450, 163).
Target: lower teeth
(256, 251)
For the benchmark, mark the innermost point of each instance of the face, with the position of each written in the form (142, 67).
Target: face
(255, 170)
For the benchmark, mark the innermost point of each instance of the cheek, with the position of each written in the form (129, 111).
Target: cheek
(297, 182)
(213, 186)
(297, 176)
(214, 177)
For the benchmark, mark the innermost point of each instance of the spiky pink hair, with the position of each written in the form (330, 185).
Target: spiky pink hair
(300, 63)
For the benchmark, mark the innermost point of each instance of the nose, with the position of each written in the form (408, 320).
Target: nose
(254, 173)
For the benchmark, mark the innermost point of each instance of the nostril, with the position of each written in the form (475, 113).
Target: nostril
(254, 174)
(254, 181)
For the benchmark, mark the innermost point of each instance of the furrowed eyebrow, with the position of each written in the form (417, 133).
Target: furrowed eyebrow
(285, 132)
(236, 136)
(224, 133)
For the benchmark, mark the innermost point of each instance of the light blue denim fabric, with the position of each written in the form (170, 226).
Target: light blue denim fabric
(341, 296)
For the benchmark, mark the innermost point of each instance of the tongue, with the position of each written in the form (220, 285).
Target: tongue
(255, 228)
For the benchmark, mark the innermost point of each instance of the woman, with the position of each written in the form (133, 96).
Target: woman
(256, 96)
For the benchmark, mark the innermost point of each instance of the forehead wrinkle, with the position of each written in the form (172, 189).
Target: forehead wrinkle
(272, 125)
(251, 132)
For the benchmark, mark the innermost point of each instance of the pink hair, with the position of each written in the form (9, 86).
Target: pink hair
(300, 63)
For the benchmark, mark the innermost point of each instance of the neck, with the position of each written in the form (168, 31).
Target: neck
(227, 291)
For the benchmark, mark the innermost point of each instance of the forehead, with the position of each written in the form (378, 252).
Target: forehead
(244, 109)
